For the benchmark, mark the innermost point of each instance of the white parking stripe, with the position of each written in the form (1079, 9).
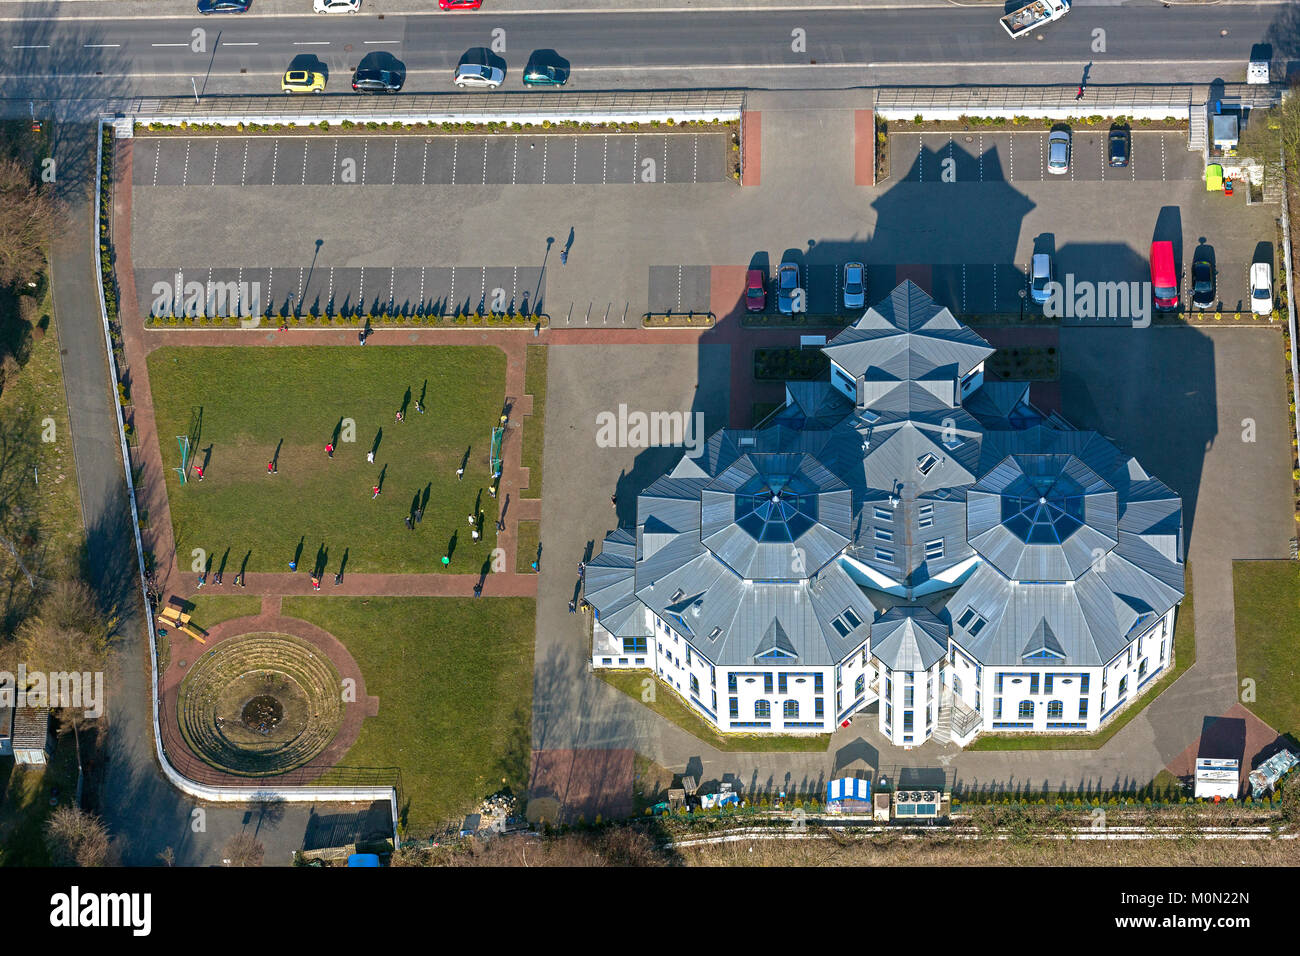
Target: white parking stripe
(216, 148)
(275, 157)
(424, 163)
(545, 142)
(455, 149)
(185, 171)
(244, 174)
(605, 163)
(575, 160)
(663, 170)
(365, 152)
(304, 161)
(485, 142)
(395, 160)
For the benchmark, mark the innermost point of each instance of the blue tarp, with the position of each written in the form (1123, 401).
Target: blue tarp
(363, 859)
(848, 788)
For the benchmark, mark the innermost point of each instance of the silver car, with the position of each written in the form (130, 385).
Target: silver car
(855, 285)
(1058, 152)
(477, 74)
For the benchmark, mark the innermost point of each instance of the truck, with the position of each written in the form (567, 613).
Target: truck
(1034, 15)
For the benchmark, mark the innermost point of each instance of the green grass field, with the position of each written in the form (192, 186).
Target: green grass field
(1266, 596)
(255, 400)
(454, 679)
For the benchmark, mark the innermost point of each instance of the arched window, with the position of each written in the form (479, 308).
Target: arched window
(762, 709)
(1142, 668)
(791, 710)
(860, 686)
(1055, 710)
(1026, 710)
(1123, 685)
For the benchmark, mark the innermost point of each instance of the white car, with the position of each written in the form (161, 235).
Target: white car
(1040, 277)
(336, 6)
(477, 74)
(1261, 288)
(855, 285)
(1058, 152)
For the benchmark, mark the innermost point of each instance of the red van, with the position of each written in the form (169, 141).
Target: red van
(1164, 277)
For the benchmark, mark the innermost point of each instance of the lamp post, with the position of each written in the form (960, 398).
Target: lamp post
(1022, 305)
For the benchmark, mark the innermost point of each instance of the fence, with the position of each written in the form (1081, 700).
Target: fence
(1059, 102)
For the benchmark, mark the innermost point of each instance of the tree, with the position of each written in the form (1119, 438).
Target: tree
(29, 216)
(68, 632)
(243, 849)
(76, 837)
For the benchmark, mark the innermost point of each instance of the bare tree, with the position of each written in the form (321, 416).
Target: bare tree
(167, 856)
(76, 837)
(29, 216)
(243, 849)
(67, 633)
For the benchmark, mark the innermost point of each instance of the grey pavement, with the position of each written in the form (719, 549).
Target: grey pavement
(143, 812)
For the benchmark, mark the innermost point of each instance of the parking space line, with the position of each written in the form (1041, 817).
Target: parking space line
(514, 162)
(424, 163)
(394, 160)
(514, 285)
(483, 293)
(995, 287)
(920, 154)
(545, 141)
(679, 288)
(695, 162)
(185, 171)
(392, 286)
(604, 169)
(485, 142)
(963, 287)
(980, 153)
(575, 160)
(1011, 166)
(301, 275)
(329, 299)
(275, 156)
(270, 276)
(1042, 148)
(361, 290)
(455, 149)
(365, 152)
(157, 157)
(634, 146)
(216, 148)
(1162, 157)
(304, 161)
(452, 295)
(335, 171)
(663, 170)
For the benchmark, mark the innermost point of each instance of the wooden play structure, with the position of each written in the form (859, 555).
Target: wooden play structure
(176, 617)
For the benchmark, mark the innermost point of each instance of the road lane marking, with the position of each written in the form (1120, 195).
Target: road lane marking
(377, 42)
(100, 46)
(226, 43)
(169, 44)
(31, 46)
(311, 42)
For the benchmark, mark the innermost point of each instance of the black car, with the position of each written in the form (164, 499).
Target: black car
(223, 6)
(1119, 147)
(1202, 283)
(376, 81)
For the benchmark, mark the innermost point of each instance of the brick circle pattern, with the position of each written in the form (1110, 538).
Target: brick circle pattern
(299, 675)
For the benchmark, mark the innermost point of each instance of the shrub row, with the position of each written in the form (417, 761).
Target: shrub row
(357, 321)
(495, 126)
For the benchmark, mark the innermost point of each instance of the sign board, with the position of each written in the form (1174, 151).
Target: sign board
(1216, 777)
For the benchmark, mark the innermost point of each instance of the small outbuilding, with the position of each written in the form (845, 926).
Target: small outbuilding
(33, 741)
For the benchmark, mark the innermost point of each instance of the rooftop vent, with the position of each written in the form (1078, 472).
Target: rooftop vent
(746, 442)
(713, 634)
(925, 464)
(678, 595)
(695, 608)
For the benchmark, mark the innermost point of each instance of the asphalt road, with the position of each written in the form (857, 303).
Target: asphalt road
(1144, 42)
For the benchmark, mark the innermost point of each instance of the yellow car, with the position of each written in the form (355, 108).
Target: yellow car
(303, 81)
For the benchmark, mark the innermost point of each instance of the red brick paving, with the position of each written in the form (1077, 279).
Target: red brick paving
(751, 135)
(864, 148)
(584, 783)
(1239, 734)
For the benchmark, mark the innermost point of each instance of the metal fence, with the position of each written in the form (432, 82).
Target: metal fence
(1033, 100)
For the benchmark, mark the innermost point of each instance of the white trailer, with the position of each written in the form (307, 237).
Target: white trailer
(1217, 778)
(1034, 15)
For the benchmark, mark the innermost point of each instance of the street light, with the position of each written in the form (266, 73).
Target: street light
(1022, 305)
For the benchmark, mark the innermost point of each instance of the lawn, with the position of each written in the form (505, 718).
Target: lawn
(526, 550)
(667, 704)
(1184, 657)
(454, 678)
(534, 424)
(249, 406)
(1266, 595)
(27, 792)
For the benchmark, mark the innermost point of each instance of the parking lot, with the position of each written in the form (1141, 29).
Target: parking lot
(1157, 156)
(503, 159)
(436, 223)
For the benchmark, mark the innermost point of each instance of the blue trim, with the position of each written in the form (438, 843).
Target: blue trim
(712, 715)
(1152, 674)
(804, 723)
(1051, 726)
(1121, 703)
(751, 723)
(1013, 726)
(851, 708)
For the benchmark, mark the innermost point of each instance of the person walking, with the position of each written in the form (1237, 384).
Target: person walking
(198, 470)
(564, 256)
(474, 535)
(203, 578)
(492, 489)
(472, 521)
(370, 457)
(239, 579)
(375, 491)
(398, 419)
(573, 607)
(270, 467)
(533, 565)
(460, 473)
(338, 579)
(315, 582)
(1079, 95)
(216, 578)
(478, 590)
(501, 525)
(446, 560)
(582, 569)
(419, 406)
(410, 525)
(419, 515)
(329, 449)
(613, 502)
(293, 565)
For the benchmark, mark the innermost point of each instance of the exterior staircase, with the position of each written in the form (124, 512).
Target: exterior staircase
(955, 719)
(943, 723)
(1198, 121)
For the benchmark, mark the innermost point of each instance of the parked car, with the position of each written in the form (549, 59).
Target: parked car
(755, 291)
(1058, 151)
(1202, 283)
(303, 81)
(376, 81)
(207, 7)
(545, 69)
(459, 4)
(787, 282)
(1040, 277)
(336, 6)
(855, 285)
(1164, 276)
(1120, 142)
(1261, 288)
(478, 74)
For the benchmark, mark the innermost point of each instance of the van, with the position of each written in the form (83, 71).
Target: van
(1164, 277)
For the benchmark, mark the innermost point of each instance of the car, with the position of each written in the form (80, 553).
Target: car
(459, 4)
(1202, 283)
(787, 283)
(1058, 152)
(1120, 141)
(478, 74)
(1040, 277)
(377, 81)
(336, 6)
(303, 81)
(755, 291)
(855, 285)
(1261, 288)
(1164, 275)
(543, 71)
(207, 7)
